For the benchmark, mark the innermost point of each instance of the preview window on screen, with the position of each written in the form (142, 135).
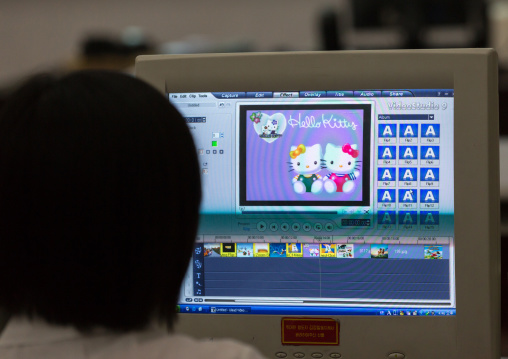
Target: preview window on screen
(297, 144)
(323, 202)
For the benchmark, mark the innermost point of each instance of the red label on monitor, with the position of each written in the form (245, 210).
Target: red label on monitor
(309, 331)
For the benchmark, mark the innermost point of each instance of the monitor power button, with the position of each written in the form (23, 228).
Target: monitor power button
(396, 356)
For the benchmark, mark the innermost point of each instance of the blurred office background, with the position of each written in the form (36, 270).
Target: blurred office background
(62, 35)
(37, 35)
(57, 34)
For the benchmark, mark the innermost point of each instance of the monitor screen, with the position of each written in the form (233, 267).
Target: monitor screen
(323, 202)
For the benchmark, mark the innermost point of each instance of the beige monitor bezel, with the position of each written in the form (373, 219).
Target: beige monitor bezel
(475, 331)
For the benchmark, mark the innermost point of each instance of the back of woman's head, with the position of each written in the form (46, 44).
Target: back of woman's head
(99, 197)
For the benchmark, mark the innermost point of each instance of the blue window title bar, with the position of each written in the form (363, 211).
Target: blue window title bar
(337, 94)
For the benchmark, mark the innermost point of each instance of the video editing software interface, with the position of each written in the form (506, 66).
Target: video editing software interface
(323, 202)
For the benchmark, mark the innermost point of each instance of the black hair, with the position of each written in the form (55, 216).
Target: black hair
(99, 199)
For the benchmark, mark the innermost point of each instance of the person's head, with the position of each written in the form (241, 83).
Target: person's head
(99, 200)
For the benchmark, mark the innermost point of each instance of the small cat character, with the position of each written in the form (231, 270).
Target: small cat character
(306, 161)
(270, 127)
(344, 167)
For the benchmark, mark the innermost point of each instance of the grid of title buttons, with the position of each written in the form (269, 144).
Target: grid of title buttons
(408, 157)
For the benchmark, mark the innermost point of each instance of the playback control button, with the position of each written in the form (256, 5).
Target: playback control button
(274, 227)
(284, 227)
(296, 227)
(318, 227)
(261, 226)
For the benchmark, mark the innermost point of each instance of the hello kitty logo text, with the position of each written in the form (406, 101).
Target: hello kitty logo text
(326, 122)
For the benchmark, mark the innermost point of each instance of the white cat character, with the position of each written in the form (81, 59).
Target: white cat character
(306, 161)
(344, 167)
(270, 127)
(314, 252)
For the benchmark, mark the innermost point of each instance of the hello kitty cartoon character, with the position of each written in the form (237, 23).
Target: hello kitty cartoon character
(314, 252)
(306, 161)
(344, 166)
(270, 127)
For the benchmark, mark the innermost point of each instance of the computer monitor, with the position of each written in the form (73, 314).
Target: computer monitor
(351, 201)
